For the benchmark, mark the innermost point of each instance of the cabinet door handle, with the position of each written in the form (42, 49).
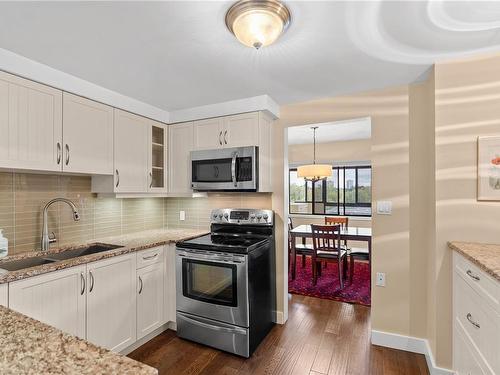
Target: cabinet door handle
(472, 276)
(67, 154)
(150, 180)
(117, 178)
(83, 283)
(220, 135)
(150, 256)
(225, 137)
(469, 318)
(142, 284)
(59, 149)
(91, 282)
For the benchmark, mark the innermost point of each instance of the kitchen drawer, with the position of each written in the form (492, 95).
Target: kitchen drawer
(479, 321)
(149, 256)
(466, 359)
(483, 284)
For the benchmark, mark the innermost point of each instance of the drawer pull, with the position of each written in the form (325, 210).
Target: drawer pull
(142, 284)
(150, 256)
(469, 318)
(472, 276)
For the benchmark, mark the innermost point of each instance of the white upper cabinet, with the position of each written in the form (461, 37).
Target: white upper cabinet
(87, 136)
(131, 152)
(157, 159)
(56, 298)
(241, 130)
(111, 302)
(30, 125)
(208, 134)
(180, 141)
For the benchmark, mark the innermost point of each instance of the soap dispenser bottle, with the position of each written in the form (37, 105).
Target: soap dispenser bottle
(4, 245)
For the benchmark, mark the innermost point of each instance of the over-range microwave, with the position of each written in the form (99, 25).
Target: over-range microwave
(225, 169)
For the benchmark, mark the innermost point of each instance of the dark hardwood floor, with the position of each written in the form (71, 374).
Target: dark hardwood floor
(320, 337)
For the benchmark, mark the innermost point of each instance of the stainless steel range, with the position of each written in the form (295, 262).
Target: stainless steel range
(226, 282)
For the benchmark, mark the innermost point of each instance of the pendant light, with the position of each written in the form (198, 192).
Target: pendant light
(257, 23)
(314, 172)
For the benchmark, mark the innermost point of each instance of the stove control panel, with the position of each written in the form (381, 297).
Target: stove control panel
(242, 216)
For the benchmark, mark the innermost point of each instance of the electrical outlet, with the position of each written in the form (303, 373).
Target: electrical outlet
(380, 278)
(182, 215)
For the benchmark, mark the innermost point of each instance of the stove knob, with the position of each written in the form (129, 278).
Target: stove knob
(220, 216)
(259, 217)
(215, 216)
(226, 216)
(265, 217)
(252, 217)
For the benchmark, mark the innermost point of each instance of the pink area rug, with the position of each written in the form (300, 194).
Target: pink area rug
(328, 284)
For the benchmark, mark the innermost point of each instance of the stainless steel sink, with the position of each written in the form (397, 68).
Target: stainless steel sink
(15, 265)
(81, 251)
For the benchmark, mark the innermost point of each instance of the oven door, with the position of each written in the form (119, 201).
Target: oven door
(225, 169)
(212, 285)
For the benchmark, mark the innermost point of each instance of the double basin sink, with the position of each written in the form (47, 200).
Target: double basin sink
(16, 265)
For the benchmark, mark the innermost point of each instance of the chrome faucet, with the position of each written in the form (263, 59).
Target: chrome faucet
(46, 239)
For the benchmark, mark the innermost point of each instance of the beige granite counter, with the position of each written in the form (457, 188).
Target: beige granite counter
(131, 242)
(31, 347)
(485, 256)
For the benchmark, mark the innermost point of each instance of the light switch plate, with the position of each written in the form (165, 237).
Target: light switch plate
(384, 207)
(182, 215)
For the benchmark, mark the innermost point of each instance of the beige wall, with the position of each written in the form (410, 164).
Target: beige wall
(358, 150)
(422, 202)
(467, 106)
(389, 112)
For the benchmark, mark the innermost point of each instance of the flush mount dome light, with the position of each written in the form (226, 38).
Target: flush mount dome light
(257, 23)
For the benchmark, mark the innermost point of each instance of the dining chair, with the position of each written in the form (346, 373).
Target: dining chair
(300, 249)
(327, 248)
(354, 253)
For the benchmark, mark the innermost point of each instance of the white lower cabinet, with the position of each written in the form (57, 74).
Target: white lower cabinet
(476, 320)
(56, 298)
(111, 302)
(149, 299)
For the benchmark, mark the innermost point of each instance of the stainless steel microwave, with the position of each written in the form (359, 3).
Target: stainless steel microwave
(225, 169)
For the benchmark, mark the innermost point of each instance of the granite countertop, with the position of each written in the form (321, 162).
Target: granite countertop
(485, 256)
(32, 347)
(131, 242)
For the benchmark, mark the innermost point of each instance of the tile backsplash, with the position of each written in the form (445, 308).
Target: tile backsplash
(22, 197)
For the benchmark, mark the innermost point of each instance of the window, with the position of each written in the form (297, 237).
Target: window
(346, 192)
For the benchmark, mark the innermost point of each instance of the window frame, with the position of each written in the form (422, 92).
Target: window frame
(339, 204)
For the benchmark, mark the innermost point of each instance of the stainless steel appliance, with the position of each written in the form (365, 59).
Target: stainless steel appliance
(226, 169)
(226, 282)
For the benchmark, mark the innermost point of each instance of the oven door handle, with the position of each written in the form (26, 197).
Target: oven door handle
(233, 169)
(208, 258)
(239, 331)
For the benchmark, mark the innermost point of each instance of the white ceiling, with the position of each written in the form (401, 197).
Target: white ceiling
(331, 132)
(176, 55)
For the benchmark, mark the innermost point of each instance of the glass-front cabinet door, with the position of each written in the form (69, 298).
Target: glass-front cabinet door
(158, 158)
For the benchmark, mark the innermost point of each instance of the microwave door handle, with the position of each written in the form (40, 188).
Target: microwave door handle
(233, 169)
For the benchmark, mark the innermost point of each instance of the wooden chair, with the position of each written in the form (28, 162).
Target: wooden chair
(354, 253)
(327, 248)
(300, 249)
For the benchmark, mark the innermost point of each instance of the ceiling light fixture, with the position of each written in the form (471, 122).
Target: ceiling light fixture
(314, 172)
(257, 23)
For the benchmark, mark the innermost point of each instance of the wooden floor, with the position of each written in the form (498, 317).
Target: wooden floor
(320, 337)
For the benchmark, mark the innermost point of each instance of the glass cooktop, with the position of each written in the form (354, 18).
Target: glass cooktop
(228, 243)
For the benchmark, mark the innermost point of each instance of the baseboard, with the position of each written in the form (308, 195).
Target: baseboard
(145, 339)
(280, 317)
(409, 344)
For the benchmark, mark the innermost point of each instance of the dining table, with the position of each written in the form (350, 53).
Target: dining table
(347, 234)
